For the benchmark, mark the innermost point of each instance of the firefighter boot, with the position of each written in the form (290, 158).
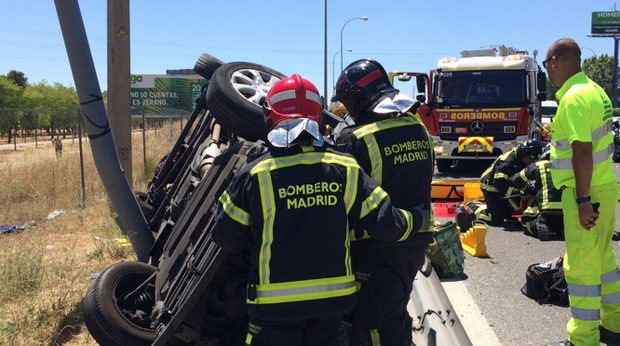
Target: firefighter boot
(561, 343)
(544, 233)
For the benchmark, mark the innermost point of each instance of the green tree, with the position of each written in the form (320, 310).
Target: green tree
(551, 90)
(55, 106)
(10, 100)
(601, 70)
(10, 93)
(18, 77)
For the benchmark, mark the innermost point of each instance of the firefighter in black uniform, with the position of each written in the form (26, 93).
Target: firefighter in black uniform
(293, 209)
(496, 182)
(543, 216)
(395, 149)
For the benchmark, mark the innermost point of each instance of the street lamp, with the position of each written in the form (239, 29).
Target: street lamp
(589, 50)
(341, 31)
(334, 68)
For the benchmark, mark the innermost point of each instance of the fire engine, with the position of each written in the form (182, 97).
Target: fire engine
(480, 105)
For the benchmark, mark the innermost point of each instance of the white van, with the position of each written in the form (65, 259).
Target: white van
(547, 111)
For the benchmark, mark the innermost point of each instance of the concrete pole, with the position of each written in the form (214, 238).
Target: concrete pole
(129, 215)
(119, 84)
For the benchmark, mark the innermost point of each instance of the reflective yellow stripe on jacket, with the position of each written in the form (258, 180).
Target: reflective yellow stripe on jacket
(235, 213)
(295, 291)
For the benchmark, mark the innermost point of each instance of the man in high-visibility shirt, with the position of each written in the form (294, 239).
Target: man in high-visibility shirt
(293, 209)
(582, 168)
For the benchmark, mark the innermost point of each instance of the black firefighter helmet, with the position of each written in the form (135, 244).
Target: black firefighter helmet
(361, 85)
(531, 148)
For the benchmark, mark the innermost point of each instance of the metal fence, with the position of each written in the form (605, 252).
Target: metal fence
(32, 173)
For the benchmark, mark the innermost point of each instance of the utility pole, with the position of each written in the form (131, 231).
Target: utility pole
(119, 85)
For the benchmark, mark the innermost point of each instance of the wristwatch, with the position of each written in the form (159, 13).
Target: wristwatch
(581, 200)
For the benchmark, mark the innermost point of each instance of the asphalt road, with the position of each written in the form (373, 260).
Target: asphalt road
(487, 296)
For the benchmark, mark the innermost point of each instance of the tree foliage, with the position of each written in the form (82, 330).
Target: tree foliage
(10, 93)
(18, 77)
(38, 106)
(601, 70)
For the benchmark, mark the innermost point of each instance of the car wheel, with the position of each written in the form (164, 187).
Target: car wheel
(145, 206)
(235, 96)
(206, 65)
(110, 316)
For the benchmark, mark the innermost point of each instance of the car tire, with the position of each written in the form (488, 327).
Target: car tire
(206, 65)
(235, 96)
(145, 206)
(108, 320)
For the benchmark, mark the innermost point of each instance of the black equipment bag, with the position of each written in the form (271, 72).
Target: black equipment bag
(465, 214)
(545, 282)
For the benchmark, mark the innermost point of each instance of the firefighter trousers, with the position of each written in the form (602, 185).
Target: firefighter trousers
(498, 209)
(541, 223)
(590, 267)
(385, 276)
(303, 332)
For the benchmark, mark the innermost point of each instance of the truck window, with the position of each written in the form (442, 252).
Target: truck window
(482, 89)
(548, 112)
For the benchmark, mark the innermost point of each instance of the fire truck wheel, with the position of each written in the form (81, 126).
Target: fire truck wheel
(235, 96)
(444, 165)
(206, 65)
(111, 318)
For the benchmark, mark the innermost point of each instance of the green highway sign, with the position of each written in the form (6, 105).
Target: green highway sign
(606, 22)
(164, 94)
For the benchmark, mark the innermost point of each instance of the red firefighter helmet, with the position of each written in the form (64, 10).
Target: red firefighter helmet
(290, 98)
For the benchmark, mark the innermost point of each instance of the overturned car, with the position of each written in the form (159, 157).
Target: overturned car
(190, 291)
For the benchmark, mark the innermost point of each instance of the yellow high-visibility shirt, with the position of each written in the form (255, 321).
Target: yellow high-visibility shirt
(585, 114)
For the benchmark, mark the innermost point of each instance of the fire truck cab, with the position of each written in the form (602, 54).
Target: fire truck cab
(480, 105)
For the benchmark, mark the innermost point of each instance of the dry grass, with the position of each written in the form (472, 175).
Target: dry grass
(46, 269)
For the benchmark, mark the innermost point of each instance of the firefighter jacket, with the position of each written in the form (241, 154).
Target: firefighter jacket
(498, 177)
(295, 208)
(397, 153)
(548, 198)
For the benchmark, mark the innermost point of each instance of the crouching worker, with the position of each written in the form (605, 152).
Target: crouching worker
(294, 208)
(496, 182)
(544, 216)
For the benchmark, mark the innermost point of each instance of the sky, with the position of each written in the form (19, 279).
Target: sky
(289, 35)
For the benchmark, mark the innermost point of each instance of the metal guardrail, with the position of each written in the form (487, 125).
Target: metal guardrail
(434, 320)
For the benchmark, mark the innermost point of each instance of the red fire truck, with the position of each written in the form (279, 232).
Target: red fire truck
(480, 105)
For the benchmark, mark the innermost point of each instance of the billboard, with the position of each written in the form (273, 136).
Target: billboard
(606, 22)
(164, 94)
